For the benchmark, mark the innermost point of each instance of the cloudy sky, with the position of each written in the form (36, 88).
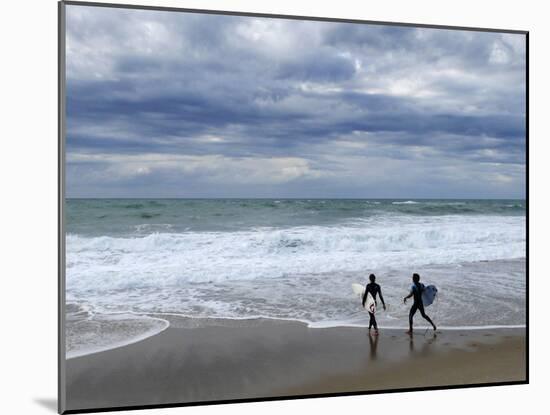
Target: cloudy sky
(163, 104)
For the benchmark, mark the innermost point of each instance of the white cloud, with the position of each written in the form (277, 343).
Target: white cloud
(209, 168)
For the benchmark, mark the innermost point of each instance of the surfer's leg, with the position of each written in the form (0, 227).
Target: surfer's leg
(421, 308)
(373, 321)
(411, 314)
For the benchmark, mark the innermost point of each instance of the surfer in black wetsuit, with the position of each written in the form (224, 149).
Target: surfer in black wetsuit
(374, 289)
(416, 293)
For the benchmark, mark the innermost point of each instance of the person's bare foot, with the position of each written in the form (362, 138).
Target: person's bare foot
(409, 332)
(376, 332)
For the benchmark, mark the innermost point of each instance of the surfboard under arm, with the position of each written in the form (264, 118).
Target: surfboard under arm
(359, 290)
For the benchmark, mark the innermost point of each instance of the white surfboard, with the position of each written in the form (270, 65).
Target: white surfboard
(428, 295)
(359, 290)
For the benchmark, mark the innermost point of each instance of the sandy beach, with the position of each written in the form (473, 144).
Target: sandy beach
(210, 360)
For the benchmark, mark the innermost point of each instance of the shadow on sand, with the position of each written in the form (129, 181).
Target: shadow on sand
(48, 403)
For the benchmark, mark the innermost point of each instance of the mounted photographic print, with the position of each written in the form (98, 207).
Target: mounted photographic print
(259, 207)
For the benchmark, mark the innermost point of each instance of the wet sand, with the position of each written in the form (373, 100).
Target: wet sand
(211, 360)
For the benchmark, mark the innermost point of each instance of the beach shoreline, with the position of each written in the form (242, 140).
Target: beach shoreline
(205, 360)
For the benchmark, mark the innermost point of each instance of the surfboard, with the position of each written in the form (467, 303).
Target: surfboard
(359, 290)
(370, 304)
(428, 295)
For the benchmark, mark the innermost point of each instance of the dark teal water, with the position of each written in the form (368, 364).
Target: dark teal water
(144, 216)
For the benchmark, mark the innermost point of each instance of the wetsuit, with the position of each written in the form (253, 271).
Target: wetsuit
(417, 288)
(374, 289)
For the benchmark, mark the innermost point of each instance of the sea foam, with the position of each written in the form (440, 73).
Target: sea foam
(162, 258)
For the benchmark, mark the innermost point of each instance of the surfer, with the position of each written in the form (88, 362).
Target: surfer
(373, 289)
(416, 293)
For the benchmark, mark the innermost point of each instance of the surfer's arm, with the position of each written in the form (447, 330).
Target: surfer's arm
(408, 296)
(381, 298)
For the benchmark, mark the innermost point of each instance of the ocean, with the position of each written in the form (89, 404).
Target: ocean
(293, 259)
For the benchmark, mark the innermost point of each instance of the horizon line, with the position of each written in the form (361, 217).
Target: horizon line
(303, 198)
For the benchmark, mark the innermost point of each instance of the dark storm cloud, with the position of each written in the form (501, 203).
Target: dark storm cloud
(143, 86)
(312, 67)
